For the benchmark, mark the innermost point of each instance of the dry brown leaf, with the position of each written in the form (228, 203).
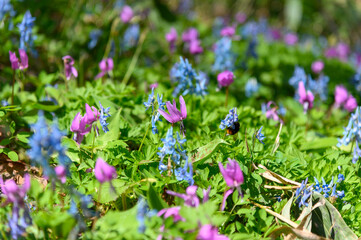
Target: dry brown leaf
(275, 177)
(293, 232)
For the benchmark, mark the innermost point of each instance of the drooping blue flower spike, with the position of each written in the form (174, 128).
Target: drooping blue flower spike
(260, 136)
(104, 114)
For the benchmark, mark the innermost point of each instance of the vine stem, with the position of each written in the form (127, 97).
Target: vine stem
(135, 57)
(146, 133)
(226, 96)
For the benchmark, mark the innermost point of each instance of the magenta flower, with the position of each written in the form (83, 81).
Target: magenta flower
(341, 95)
(171, 38)
(317, 66)
(60, 172)
(153, 85)
(225, 78)
(106, 65)
(14, 193)
(209, 232)
(91, 115)
(290, 39)
(104, 172)
(228, 31)
(351, 104)
(174, 114)
(78, 127)
(190, 198)
(271, 112)
(343, 50)
(275, 34)
(233, 176)
(195, 47)
(126, 14)
(241, 17)
(331, 52)
(69, 68)
(190, 35)
(306, 98)
(15, 64)
(171, 212)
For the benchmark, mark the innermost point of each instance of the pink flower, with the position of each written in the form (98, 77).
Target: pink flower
(174, 114)
(190, 34)
(171, 37)
(126, 14)
(15, 64)
(195, 47)
(60, 172)
(341, 95)
(171, 212)
(228, 31)
(290, 39)
(69, 68)
(91, 115)
(209, 232)
(275, 34)
(351, 104)
(306, 98)
(104, 172)
(225, 78)
(241, 17)
(233, 176)
(190, 198)
(343, 50)
(106, 65)
(13, 192)
(331, 52)
(317, 66)
(153, 85)
(78, 127)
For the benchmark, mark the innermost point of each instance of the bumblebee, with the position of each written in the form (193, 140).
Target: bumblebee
(231, 131)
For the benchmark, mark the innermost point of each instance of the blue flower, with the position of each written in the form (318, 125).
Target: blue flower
(224, 56)
(260, 136)
(143, 212)
(7, 8)
(326, 188)
(94, 36)
(189, 82)
(251, 49)
(104, 114)
(185, 173)
(299, 75)
(340, 178)
(131, 36)
(317, 186)
(19, 222)
(151, 101)
(230, 119)
(25, 28)
(251, 87)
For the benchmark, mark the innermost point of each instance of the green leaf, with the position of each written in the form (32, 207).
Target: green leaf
(49, 108)
(206, 151)
(107, 193)
(154, 200)
(319, 143)
(328, 222)
(113, 133)
(13, 156)
(23, 136)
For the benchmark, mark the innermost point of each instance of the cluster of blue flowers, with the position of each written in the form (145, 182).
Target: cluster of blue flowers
(26, 28)
(94, 36)
(251, 29)
(353, 131)
(7, 8)
(252, 87)
(318, 86)
(303, 192)
(44, 143)
(155, 114)
(131, 36)
(189, 82)
(104, 114)
(176, 153)
(143, 212)
(230, 119)
(356, 81)
(224, 57)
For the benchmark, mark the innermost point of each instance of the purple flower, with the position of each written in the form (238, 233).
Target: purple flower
(209, 232)
(126, 14)
(171, 38)
(290, 39)
(174, 114)
(225, 78)
(91, 115)
(306, 98)
(69, 68)
(317, 66)
(233, 176)
(104, 172)
(171, 212)
(195, 47)
(153, 85)
(78, 127)
(61, 173)
(15, 64)
(351, 104)
(106, 65)
(241, 17)
(271, 112)
(190, 35)
(190, 197)
(228, 31)
(13, 192)
(341, 95)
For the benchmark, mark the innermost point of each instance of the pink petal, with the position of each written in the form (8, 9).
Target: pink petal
(226, 194)
(183, 107)
(103, 65)
(110, 64)
(74, 71)
(166, 116)
(302, 92)
(23, 58)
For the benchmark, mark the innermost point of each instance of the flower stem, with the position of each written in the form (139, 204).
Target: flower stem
(146, 133)
(12, 94)
(226, 96)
